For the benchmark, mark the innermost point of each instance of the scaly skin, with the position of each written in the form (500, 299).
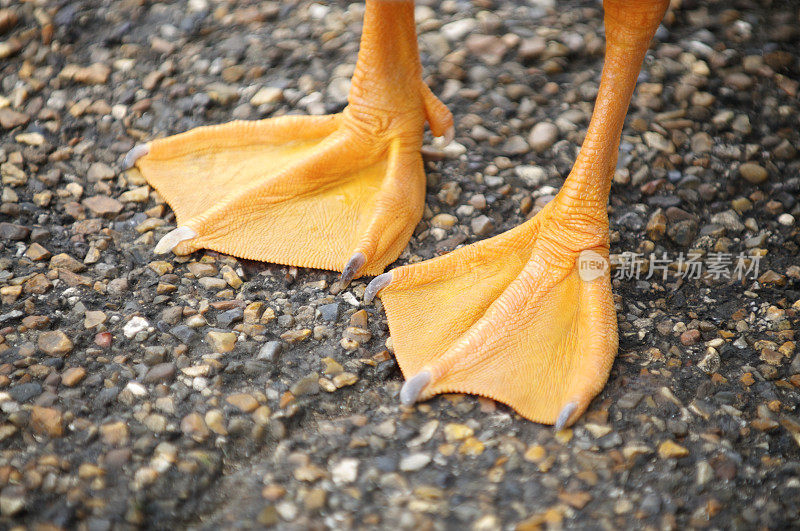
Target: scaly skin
(510, 317)
(312, 191)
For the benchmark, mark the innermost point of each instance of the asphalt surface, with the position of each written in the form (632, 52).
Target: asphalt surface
(207, 392)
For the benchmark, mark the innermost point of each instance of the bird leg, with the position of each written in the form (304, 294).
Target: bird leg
(341, 192)
(527, 317)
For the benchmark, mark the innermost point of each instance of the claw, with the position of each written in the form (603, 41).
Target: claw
(377, 284)
(138, 151)
(173, 238)
(355, 263)
(563, 417)
(448, 136)
(411, 390)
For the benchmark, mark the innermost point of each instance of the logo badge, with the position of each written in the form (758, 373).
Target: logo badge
(591, 265)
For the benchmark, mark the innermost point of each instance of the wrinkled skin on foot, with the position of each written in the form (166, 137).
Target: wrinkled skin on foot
(509, 318)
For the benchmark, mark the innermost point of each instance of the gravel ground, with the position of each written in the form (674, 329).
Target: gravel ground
(205, 391)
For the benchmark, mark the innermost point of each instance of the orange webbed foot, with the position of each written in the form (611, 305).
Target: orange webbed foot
(342, 192)
(297, 190)
(511, 318)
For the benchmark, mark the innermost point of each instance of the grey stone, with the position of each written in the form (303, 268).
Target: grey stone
(24, 392)
(271, 351)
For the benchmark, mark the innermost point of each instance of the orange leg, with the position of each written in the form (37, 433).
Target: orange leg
(527, 317)
(341, 192)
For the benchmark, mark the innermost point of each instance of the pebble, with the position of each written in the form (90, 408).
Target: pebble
(12, 500)
(227, 318)
(95, 74)
(753, 173)
(516, 145)
(38, 284)
(25, 391)
(683, 232)
(13, 232)
(489, 48)
(690, 337)
(656, 225)
(457, 432)
(345, 379)
(114, 434)
(296, 336)
(543, 136)
(117, 286)
(728, 219)
(482, 225)
(47, 421)
(669, 449)
(99, 171)
(456, 31)
(140, 195)
(161, 372)
(414, 462)
(103, 205)
(65, 261)
(72, 376)
(221, 341)
(31, 139)
(702, 142)
(243, 402)
(200, 270)
(329, 312)
(135, 325)
(195, 427)
(270, 351)
(449, 194)
(443, 221)
(345, 471)
(215, 420)
(656, 141)
(307, 385)
(36, 252)
(9, 119)
(232, 278)
(54, 343)
(266, 95)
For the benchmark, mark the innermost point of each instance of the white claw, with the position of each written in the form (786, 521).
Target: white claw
(411, 390)
(138, 151)
(563, 417)
(448, 136)
(377, 284)
(173, 238)
(355, 263)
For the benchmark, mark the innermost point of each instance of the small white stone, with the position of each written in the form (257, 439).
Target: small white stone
(456, 31)
(136, 389)
(266, 95)
(134, 326)
(414, 462)
(532, 176)
(786, 220)
(345, 471)
(287, 510)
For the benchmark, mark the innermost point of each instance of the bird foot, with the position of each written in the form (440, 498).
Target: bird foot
(342, 192)
(301, 190)
(526, 318)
